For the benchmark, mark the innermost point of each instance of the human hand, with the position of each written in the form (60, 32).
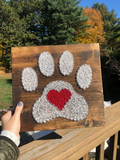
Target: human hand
(12, 122)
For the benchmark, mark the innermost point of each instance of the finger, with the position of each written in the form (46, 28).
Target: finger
(6, 117)
(18, 109)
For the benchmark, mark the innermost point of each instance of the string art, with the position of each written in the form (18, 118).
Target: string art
(58, 99)
(73, 107)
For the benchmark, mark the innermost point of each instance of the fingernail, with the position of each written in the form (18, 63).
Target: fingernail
(20, 104)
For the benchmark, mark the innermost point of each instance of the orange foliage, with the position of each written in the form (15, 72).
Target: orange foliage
(95, 31)
(1, 47)
(1, 52)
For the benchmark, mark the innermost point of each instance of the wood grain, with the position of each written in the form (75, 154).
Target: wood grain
(115, 146)
(23, 57)
(100, 152)
(85, 157)
(111, 147)
(75, 143)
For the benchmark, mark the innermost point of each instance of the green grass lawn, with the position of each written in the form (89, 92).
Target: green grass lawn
(5, 91)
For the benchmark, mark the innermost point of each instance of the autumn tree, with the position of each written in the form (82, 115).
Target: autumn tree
(94, 34)
(1, 53)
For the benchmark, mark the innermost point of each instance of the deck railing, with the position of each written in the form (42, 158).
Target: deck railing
(77, 143)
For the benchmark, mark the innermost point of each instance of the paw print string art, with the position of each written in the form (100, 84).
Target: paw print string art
(58, 98)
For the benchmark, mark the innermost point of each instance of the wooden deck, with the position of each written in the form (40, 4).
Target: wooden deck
(76, 143)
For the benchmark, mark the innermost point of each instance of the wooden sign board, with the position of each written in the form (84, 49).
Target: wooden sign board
(41, 112)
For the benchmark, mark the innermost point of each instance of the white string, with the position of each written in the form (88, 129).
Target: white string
(66, 63)
(46, 64)
(29, 79)
(75, 109)
(84, 76)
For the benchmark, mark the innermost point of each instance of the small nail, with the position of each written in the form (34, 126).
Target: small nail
(20, 104)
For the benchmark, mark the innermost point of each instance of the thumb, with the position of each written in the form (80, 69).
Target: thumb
(18, 109)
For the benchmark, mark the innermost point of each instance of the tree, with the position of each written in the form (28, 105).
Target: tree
(110, 18)
(111, 28)
(95, 30)
(18, 23)
(111, 50)
(61, 19)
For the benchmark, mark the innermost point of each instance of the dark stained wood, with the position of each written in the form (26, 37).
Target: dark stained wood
(23, 57)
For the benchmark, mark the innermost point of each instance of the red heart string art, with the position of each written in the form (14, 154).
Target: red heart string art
(59, 99)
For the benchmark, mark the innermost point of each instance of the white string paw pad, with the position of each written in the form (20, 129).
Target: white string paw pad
(58, 99)
(29, 79)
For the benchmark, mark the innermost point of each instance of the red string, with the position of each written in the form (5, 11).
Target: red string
(59, 99)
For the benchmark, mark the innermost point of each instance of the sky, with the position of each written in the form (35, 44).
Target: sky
(111, 4)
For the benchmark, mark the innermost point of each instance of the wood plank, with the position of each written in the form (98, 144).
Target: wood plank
(75, 143)
(100, 152)
(118, 150)
(23, 57)
(115, 146)
(85, 157)
(111, 147)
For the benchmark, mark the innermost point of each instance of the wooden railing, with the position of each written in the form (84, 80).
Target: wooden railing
(77, 143)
